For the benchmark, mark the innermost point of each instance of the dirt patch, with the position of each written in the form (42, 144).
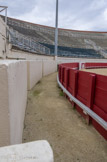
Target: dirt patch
(50, 116)
(102, 71)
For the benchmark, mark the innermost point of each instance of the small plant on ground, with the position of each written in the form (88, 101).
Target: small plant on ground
(36, 93)
(61, 93)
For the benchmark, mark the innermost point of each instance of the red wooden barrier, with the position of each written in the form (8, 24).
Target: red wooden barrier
(100, 102)
(85, 93)
(72, 83)
(59, 72)
(65, 80)
(89, 88)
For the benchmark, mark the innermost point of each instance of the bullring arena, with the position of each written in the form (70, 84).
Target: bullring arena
(62, 101)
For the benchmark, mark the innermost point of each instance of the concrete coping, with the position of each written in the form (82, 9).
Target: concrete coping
(7, 62)
(38, 151)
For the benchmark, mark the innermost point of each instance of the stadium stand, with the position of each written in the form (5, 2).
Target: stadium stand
(71, 43)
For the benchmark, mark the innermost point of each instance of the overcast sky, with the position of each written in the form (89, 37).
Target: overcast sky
(73, 14)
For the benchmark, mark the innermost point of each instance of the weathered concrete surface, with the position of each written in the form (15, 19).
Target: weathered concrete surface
(34, 69)
(17, 85)
(50, 116)
(4, 111)
(38, 151)
(49, 67)
(13, 98)
(17, 54)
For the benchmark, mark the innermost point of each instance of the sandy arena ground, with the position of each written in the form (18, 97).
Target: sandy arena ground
(50, 116)
(102, 71)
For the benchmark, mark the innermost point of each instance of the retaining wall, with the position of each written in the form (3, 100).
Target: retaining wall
(13, 98)
(34, 69)
(16, 77)
(49, 67)
(88, 88)
(18, 54)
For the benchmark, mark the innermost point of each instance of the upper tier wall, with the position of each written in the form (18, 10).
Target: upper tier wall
(67, 38)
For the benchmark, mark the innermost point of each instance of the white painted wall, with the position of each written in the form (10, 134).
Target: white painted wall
(49, 67)
(17, 83)
(38, 151)
(15, 78)
(4, 111)
(34, 69)
(13, 98)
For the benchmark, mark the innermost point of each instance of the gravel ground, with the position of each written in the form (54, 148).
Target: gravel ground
(50, 116)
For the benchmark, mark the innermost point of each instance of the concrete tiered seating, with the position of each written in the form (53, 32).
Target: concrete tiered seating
(85, 44)
(74, 52)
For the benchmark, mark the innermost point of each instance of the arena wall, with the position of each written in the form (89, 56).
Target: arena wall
(90, 89)
(80, 60)
(17, 87)
(15, 76)
(17, 54)
(13, 98)
(4, 111)
(34, 69)
(49, 67)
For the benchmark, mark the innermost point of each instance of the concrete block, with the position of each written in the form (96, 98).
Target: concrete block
(38, 151)
(49, 67)
(13, 98)
(34, 69)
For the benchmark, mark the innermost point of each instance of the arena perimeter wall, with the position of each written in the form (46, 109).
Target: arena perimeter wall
(89, 88)
(16, 77)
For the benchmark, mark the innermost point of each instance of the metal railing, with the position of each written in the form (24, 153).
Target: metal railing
(86, 109)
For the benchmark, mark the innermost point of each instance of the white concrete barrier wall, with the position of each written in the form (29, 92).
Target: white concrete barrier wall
(49, 67)
(13, 98)
(38, 151)
(15, 76)
(4, 107)
(34, 69)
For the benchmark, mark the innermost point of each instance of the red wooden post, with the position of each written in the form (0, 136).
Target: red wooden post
(90, 97)
(62, 71)
(59, 72)
(75, 83)
(75, 86)
(66, 77)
